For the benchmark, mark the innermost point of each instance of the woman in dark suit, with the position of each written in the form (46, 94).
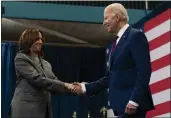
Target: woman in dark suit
(35, 79)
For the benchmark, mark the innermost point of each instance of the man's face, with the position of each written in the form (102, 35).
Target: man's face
(110, 21)
(36, 47)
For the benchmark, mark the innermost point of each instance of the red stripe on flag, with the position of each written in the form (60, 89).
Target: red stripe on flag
(160, 86)
(157, 20)
(160, 63)
(159, 110)
(159, 41)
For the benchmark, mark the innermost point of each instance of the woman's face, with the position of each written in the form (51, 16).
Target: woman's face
(36, 46)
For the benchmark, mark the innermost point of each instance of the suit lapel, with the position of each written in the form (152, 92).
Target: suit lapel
(121, 41)
(38, 68)
(42, 65)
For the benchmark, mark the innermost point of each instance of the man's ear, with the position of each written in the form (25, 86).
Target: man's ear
(118, 18)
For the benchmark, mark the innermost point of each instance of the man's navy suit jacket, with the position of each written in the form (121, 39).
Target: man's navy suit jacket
(129, 73)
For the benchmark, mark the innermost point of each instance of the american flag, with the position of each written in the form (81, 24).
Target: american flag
(157, 31)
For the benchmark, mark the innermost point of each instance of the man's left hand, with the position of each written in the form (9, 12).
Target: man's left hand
(130, 109)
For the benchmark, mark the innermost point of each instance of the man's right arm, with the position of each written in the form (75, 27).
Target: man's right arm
(95, 87)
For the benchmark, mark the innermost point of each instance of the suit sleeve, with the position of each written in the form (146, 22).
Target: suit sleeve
(140, 52)
(25, 69)
(96, 86)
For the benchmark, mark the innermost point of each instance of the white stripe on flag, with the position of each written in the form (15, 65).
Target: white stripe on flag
(158, 30)
(160, 52)
(168, 115)
(161, 97)
(160, 74)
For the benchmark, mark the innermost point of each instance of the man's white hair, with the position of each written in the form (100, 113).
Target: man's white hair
(119, 8)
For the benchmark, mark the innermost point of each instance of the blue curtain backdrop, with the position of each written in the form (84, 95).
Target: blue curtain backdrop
(70, 64)
(8, 77)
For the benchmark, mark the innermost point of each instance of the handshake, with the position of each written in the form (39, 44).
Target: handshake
(75, 87)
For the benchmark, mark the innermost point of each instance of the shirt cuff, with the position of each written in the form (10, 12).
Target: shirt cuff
(83, 88)
(133, 103)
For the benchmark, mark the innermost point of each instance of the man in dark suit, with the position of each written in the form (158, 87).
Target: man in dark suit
(128, 67)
